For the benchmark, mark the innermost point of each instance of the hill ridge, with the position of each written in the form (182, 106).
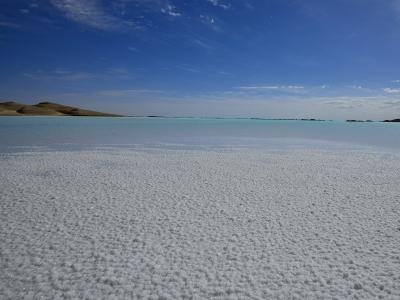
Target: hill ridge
(47, 108)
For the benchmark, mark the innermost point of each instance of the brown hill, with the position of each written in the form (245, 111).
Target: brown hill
(11, 108)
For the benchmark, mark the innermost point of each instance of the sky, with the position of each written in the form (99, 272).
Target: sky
(336, 59)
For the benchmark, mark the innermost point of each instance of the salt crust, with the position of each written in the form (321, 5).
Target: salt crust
(178, 224)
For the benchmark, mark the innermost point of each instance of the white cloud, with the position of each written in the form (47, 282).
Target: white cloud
(391, 91)
(281, 87)
(259, 87)
(295, 87)
(88, 12)
(92, 13)
(170, 9)
(396, 81)
(360, 88)
(219, 4)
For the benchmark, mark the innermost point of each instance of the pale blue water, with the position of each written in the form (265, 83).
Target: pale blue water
(81, 132)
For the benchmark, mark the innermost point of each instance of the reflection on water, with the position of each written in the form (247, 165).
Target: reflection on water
(81, 132)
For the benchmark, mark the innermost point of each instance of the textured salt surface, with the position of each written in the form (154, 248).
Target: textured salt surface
(167, 224)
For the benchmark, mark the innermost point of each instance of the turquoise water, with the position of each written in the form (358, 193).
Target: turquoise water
(31, 132)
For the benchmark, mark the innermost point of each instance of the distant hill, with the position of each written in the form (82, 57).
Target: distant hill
(11, 108)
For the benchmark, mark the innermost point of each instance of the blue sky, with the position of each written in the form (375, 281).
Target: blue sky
(272, 58)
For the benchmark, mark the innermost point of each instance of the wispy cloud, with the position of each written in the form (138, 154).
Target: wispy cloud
(218, 3)
(272, 87)
(129, 92)
(396, 81)
(207, 19)
(315, 91)
(258, 87)
(170, 10)
(391, 91)
(133, 49)
(346, 102)
(112, 17)
(360, 88)
(203, 44)
(9, 24)
(67, 75)
(212, 22)
(395, 4)
(356, 87)
(58, 75)
(188, 69)
(88, 12)
(381, 106)
(223, 73)
(295, 87)
(391, 104)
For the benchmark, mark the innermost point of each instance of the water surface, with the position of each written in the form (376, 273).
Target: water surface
(72, 132)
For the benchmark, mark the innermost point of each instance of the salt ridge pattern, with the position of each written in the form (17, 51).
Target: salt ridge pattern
(180, 224)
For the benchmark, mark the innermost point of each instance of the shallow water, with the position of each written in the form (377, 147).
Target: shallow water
(260, 224)
(82, 132)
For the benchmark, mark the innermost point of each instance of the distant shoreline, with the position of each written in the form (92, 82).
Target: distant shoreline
(49, 109)
(271, 119)
(208, 118)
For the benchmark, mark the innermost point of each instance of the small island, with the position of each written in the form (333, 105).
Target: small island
(358, 121)
(394, 120)
(12, 108)
(362, 121)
